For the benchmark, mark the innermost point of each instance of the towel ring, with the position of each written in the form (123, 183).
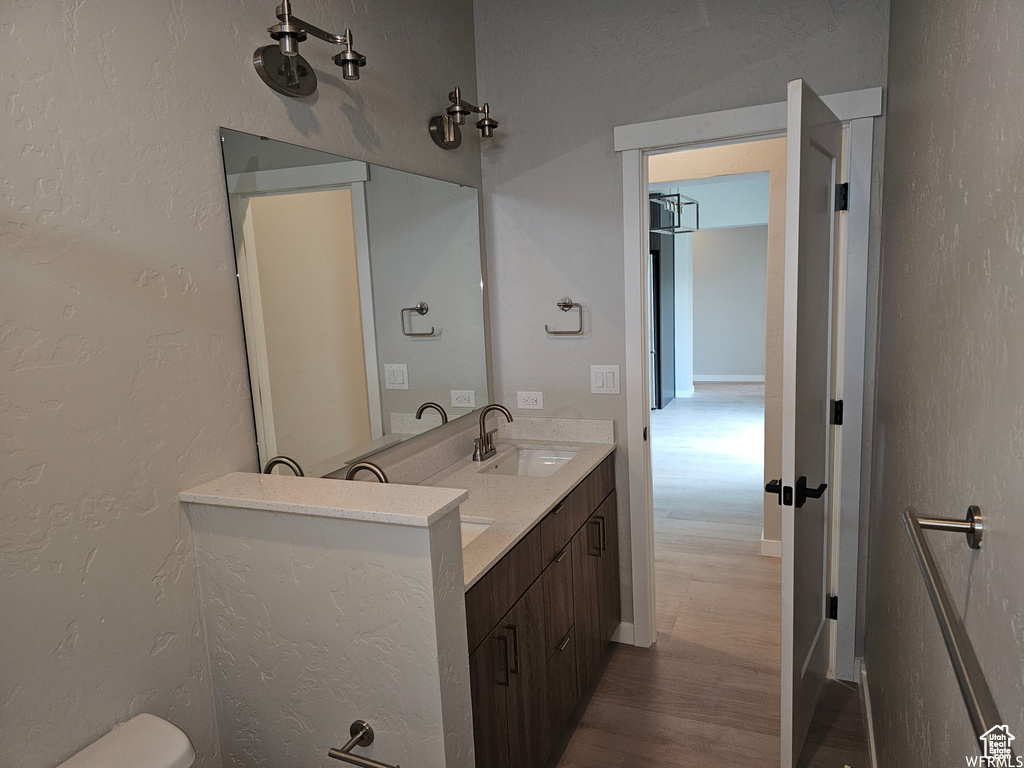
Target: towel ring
(419, 309)
(565, 305)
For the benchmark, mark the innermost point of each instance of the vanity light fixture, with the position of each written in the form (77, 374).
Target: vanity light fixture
(444, 129)
(281, 66)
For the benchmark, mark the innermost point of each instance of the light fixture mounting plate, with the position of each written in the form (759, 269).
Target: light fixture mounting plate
(439, 132)
(272, 68)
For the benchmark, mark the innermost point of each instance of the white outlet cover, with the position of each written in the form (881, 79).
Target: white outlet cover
(396, 376)
(604, 380)
(463, 398)
(530, 401)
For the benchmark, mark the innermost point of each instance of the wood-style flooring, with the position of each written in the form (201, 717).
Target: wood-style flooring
(707, 693)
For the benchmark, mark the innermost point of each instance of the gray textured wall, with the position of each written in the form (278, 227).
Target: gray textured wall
(730, 291)
(559, 76)
(122, 368)
(950, 421)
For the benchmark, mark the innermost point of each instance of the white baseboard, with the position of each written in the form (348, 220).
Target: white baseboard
(624, 634)
(770, 547)
(869, 717)
(684, 392)
(726, 377)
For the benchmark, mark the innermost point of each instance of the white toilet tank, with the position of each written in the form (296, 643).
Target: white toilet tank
(145, 741)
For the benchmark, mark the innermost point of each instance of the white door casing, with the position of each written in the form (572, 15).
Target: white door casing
(814, 142)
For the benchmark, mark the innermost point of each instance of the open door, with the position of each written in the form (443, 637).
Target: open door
(813, 149)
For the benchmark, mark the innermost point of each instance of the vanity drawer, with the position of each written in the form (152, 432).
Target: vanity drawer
(563, 685)
(558, 608)
(499, 589)
(565, 519)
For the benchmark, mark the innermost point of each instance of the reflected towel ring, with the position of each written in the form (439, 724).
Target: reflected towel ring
(419, 309)
(565, 305)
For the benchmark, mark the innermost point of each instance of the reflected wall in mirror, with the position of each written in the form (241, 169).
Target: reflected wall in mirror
(362, 299)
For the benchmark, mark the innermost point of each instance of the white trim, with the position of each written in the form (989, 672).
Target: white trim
(638, 411)
(728, 377)
(771, 547)
(299, 179)
(869, 716)
(732, 124)
(362, 238)
(850, 387)
(684, 392)
(624, 634)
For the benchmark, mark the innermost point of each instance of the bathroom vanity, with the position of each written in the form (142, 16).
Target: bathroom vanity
(538, 621)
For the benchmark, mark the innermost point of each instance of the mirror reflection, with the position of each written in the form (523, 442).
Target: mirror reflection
(362, 300)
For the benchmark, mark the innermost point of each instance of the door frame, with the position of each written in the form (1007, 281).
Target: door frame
(351, 175)
(857, 110)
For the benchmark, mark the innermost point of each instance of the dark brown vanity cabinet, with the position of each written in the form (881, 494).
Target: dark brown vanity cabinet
(538, 623)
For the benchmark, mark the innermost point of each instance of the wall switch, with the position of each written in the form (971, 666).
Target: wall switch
(396, 376)
(463, 398)
(530, 400)
(604, 380)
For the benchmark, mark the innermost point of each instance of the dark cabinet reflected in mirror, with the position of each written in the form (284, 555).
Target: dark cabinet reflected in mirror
(362, 299)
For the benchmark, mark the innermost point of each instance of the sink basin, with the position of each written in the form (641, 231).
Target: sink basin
(471, 529)
(530, 462)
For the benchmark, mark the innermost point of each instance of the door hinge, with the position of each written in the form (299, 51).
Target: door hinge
(837, 412)
(832, 607)
(843, 196)
(645, 434)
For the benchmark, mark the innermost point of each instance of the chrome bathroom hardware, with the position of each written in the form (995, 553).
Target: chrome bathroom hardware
(292, 464)
(436, 407)
(369, 466)
(483, 446)
(972, 525)
(981, 706)
(283, 69)
(362, 736)
(565, 305)
(444, 129)
(419, 309)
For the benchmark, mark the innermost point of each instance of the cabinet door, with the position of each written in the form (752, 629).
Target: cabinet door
(611, 606)
(529, 732)
(563, 687)
(558, 611)
(586, 580)
(490, 677)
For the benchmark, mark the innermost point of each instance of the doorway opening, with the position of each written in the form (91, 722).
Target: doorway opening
(715, 298)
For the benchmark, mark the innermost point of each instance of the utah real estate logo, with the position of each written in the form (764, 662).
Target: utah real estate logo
(997, 750)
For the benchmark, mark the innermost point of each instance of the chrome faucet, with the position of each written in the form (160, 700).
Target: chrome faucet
(292, 464)
(483, 446)
(369, 466)
(436, 407)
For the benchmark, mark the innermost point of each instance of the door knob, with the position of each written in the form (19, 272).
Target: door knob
(803, 493)
(775, 486)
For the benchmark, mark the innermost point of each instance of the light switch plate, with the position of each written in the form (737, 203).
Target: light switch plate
(530, 400)
(604, 380)
(463, 398)
(396, 376)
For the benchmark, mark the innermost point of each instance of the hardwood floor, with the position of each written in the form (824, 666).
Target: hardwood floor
(707, 693)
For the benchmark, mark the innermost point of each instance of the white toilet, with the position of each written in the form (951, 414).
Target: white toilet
(145, 741)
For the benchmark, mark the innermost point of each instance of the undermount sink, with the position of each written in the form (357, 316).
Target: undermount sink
(473, 528)
(530, 462)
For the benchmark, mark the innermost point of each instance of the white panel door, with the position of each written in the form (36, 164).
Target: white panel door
(814, 143)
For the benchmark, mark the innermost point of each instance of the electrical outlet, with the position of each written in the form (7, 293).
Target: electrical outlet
(530, 400)
(396, 376)
(463, 398)
(604, 380)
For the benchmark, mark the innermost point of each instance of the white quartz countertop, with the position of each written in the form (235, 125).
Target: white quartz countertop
(414, 505)
(514, 503)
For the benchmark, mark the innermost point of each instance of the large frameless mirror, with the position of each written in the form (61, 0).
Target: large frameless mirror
(362, 300)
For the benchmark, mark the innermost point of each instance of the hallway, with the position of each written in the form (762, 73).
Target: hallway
(707, 693)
